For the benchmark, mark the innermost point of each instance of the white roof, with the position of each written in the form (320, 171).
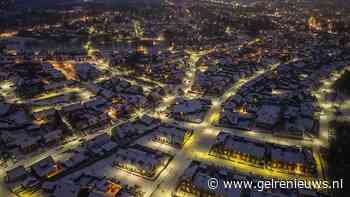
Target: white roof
(268, 114)
(139, 156)
(75, 159)
(44, 166)
(287, 155)
(109, 146)
(244, 146)
(173, 131)
(187, 106)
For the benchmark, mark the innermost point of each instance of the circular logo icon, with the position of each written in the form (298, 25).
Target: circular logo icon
(213, 183)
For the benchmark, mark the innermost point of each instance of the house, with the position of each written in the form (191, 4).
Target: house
(101, 144)
(52, 136)
(17, 174)
(89, 116)
(268, 116)
(45, 115)
(106, 188)
(192, 110)
(75, 158)
(27, 143)
(172, 135)
(128, 131)
(238, 149)
(140, 161)
(86, 71)
(194, 181)
(292, 159)
(46, 168)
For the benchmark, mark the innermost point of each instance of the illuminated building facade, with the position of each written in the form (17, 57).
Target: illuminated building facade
(239, 149)
(141, 161)
(173, 136)
(288, 159)
(291, 159)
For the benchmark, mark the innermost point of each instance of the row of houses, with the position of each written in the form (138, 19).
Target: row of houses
(288, 159)
(194, 182)
(142, 161)
(191, 110)
(172, 135)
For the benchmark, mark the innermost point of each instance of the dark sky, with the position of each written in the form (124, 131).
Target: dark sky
(41, 2)
(52, 2)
